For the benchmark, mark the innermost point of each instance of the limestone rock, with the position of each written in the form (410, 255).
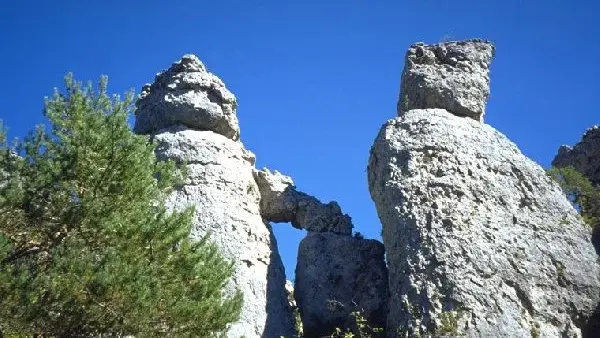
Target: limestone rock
(337, 275)
(479, 240)
(289, 289)
(281, 202)
(584, 156)
(189, 95)
(453, 76)
(221, 187)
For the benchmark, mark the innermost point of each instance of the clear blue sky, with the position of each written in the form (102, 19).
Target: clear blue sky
(314, 79)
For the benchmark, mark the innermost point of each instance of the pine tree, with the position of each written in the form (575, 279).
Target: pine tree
(87, 246)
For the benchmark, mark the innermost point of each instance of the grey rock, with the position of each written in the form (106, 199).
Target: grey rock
(584, 156)
(293, 307)
(189, 95)
(221, 187)
(289, 289)
(337, 275)
(479, 240)
(452, 76)
(281, 202)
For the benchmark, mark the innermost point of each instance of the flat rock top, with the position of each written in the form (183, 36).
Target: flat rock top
(452, 76)
(450, 53)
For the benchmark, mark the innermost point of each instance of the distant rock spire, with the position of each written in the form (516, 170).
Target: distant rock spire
(584, 156)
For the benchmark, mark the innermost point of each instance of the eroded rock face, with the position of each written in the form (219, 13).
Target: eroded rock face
(452, 76)
(221, 187)
(191, 115)
(584, 156)
(281, 202)
(337, 275)
(476, 234)
(187, 94)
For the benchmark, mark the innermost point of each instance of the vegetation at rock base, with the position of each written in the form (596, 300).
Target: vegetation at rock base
(87, 246)
(580, 192)
(358, 328)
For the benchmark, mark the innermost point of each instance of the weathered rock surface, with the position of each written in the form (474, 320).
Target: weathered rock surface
(452, 76)
(192, 117)
(189, 95)
(281, 202)
(584, 156)
(337, 275)
(479, 240)
(221, 187)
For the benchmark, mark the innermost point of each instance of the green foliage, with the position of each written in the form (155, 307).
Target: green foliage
(359, 328)
(449, 323)
(580, 191)
(87, 247)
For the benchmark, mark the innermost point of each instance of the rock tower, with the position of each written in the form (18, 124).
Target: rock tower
(192, 115)
(479, 240)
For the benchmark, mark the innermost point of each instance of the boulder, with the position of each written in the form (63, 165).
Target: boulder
(281, 202)
(584, 156)
(337, 275)
(187, 94)
(479, 240)
(452, 76)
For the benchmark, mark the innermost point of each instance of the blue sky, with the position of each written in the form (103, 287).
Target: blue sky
(314, 79)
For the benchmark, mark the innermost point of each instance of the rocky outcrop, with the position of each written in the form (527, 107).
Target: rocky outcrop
(452, 76)
(479, 240)
(584, 156)
(281, 202)
(337, 275)
(192, 117)
(189, 95)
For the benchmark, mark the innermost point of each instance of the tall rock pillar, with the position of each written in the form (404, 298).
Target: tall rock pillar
(191, 114)
(479, 240)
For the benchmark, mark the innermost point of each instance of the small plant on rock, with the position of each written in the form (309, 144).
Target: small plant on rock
(358, 328)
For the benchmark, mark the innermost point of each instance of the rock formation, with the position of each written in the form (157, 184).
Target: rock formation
(452, 76)
(337, 275)
(189, 95)
(479, 240)
(192, 116)
(584, 156)
(281, 202)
